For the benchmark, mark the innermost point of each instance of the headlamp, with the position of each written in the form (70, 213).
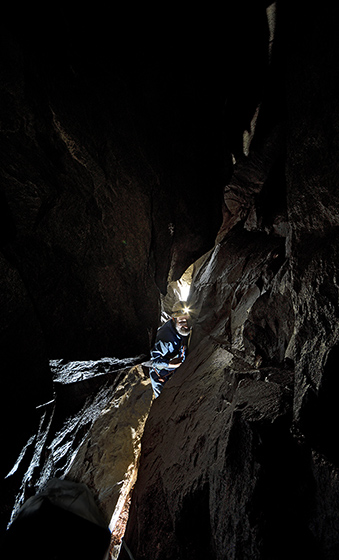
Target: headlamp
(180, 308)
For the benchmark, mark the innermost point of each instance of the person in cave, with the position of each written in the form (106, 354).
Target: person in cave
(170, 347)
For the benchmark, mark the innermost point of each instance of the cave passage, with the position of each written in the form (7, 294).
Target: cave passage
(144, 155)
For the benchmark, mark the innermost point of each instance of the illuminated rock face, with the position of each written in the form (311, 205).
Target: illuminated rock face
(239, 458)
(102, 194)
(218, 441)
(91, 432)
(117, 174)
(107, 461)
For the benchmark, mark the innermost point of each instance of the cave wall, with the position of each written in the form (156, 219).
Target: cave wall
(114, 153)
(313, 201)
(116, 133)
(239, 455)
(77, 265)
(116, 173)
(79, 200)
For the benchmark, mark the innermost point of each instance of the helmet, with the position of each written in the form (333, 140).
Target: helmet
(180, 308)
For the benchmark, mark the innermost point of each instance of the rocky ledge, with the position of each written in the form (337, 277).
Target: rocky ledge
(90, 433)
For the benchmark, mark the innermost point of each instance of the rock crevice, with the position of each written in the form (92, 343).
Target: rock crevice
(124, 160)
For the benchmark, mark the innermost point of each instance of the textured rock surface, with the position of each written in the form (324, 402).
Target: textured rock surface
(107, 460)
(211, 460)
(239, 459)
(116, 132)
(116, 174)
(91, 432)
(70, 187)
(227, 468)
(218, 440)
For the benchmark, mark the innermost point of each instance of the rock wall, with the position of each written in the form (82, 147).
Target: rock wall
(116, 150)
(116, 132)
(90, 432)
(220, 470)
(239, 455)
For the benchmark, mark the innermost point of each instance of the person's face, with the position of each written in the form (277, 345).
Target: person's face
(182, 325)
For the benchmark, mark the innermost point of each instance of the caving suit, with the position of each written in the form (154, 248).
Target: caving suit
(169, 344)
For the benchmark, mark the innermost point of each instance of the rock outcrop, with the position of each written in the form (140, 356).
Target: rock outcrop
(90, 433)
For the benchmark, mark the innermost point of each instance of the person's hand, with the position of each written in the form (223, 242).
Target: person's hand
(175, 363)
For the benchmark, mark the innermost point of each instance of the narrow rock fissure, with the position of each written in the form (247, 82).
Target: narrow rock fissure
(140, 165)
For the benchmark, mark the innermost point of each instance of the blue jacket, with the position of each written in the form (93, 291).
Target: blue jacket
(169, 344)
